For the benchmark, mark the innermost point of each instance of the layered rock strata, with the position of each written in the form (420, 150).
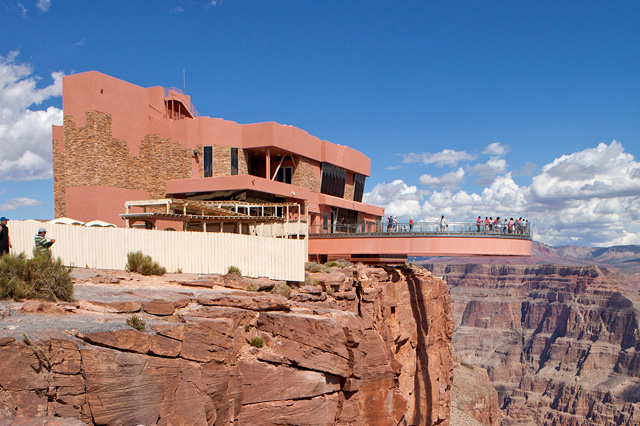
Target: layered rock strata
(560, 344)
(364, 346)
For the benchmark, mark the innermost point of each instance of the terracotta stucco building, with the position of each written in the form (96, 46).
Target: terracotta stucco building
(123, 142)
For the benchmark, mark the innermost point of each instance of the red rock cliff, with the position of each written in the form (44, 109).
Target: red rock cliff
(365, 346)
(560, 343)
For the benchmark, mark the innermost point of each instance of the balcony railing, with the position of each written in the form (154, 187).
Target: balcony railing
(192, 109)
(404, 229)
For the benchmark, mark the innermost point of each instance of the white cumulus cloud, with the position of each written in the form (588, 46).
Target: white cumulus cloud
(496, 149)
(25, 133)
(448, 180)
(590, 197)
(446, 157)
(397, 197)
(16, 203)
(487, 171)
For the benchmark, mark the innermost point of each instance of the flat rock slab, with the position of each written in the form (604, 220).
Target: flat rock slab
(253, 302)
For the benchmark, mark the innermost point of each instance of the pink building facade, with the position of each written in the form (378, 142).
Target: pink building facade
(122, 142)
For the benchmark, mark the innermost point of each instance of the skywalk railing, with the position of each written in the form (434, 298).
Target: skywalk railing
(422, 229)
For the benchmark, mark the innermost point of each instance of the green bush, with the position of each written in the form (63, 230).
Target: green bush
(340, 263)
(136, 322)
(233, 270)
(139, 262)
(257, 342)
(314, 267)
(40, 277)
(309, 265)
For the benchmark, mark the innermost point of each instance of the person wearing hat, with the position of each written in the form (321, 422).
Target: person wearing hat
(42, 242)
(5, 241)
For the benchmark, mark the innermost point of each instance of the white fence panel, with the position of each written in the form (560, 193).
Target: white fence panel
(192, 252)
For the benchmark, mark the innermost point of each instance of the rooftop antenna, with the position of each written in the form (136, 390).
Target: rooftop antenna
(184, 81)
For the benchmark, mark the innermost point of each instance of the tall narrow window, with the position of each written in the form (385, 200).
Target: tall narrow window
(358, 187)
(333, 180)
(234, 161)
(207, 161)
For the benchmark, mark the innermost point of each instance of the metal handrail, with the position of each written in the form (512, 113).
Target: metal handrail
(421, 229)
(192, 108)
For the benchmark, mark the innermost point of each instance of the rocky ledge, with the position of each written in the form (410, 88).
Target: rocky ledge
(361, 346)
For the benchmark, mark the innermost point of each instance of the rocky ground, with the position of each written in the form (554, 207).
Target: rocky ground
(359, 346)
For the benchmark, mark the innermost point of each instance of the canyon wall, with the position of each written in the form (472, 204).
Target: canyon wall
(363, 346)
(560, 343)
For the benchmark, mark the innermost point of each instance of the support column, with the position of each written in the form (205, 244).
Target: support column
(268, 164)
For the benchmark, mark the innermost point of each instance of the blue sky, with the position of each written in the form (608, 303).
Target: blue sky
(488, 108)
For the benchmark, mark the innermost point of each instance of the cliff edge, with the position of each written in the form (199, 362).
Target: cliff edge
(363, 346)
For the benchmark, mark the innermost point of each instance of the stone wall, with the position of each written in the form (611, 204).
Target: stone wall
(91, 156)
(348, 189)
(221, 160)
(305, 176)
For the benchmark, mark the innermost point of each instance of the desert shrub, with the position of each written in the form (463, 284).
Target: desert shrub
(330, 290)
(413, 266)
(340, 263)
(258, 342)
(136, 322)
(314, 267)
(234, 270)
(310, 280)
(46, 360)
(282, 289)
(40, 277)
(143, 264)
(248, 327)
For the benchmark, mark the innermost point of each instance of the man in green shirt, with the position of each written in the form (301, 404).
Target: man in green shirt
(42, 242)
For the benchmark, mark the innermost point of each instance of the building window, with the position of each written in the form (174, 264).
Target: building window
(234, 161)
(358, 187)
(285, 175)
(333, 180)
(207, 161)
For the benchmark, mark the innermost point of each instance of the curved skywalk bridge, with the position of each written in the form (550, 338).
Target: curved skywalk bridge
(384, 244)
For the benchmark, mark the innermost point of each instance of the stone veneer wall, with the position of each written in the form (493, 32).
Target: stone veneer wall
(348, 190)
(91, 156)
(304, 175)
(222, 161)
